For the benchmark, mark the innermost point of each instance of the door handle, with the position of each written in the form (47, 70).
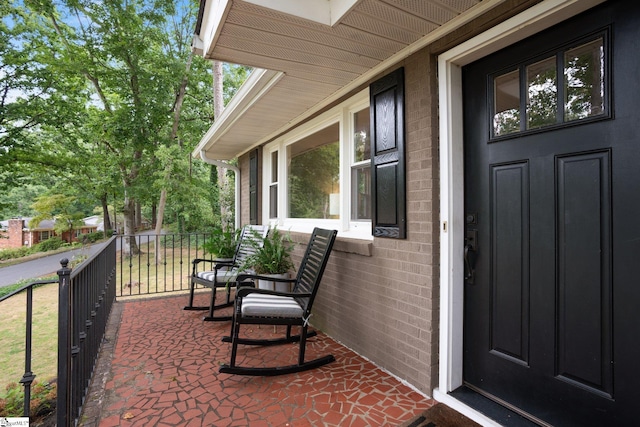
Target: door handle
(471, 245)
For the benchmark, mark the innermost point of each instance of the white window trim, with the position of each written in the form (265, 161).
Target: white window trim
(533, 20)
(343, 115)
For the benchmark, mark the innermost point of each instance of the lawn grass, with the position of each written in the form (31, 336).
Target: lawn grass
(45, 335)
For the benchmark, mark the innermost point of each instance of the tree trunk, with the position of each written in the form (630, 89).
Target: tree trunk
(173, 136)
(138, 216)
(106, 219)
(130, 245)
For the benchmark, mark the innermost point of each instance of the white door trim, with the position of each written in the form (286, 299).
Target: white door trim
(533, 20)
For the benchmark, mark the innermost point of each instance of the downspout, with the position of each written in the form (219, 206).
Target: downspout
(236, 171)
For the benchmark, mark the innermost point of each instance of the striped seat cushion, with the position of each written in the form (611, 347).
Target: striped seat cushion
(259, 305)
(223, 276)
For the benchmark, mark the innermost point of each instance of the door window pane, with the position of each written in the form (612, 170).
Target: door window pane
(314, 175)
(542, 93)
(584, 80)
(506, 117)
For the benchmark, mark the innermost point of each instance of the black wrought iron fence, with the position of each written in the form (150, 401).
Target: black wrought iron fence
(162, 263)
(86, 296)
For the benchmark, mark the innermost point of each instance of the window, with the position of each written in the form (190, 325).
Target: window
(319, 175)
(44, 235)
(273, 186)
(361, 167)
(314, 175)
(549, 92)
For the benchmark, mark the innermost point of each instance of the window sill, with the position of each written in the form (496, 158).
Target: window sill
(342, 244)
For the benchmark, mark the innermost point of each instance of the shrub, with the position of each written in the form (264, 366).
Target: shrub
(50, 244)
(43, 399)
(12, 253)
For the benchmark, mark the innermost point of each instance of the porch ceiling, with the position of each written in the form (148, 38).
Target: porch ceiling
(310, 64)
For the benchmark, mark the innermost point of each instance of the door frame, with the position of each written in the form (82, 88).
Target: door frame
(451, 144)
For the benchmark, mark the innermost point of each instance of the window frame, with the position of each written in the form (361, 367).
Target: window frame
(343, 115)
(555, 52)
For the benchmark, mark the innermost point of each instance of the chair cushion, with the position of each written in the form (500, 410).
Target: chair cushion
(259, 305)
(223, 276)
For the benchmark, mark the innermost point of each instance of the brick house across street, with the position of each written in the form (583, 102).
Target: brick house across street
(16, 233)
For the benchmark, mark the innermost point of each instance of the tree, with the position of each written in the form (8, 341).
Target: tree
(59, 208)
(126, 65)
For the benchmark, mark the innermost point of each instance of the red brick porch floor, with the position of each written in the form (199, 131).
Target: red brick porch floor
(159, 367)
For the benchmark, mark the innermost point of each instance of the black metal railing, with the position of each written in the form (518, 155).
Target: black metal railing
(86, 296)
(29, 375)
(163, 263)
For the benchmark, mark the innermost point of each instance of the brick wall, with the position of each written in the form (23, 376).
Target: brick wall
(385, 306)
(380, 298)
(14, 234)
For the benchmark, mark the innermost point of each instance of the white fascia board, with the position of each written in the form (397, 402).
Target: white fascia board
(213, 18)
(258, 83)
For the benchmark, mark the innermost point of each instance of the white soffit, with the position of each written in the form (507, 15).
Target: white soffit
(319, 63)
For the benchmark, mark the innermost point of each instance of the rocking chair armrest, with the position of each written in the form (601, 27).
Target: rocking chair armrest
(249, 276)
(213, 261)
(244, 291)
(199, 260)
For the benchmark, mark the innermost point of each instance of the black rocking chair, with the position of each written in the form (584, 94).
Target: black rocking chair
(266, 307)
(225, 273)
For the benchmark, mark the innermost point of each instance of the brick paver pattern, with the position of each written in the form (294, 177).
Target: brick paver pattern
(164, 372)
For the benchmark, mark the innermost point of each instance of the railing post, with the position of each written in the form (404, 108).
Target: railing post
(28, 376)
(63, 402)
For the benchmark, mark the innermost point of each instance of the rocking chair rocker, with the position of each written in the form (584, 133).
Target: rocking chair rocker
(266, 307)
(225, 273)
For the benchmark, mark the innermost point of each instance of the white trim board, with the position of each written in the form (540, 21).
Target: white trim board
(533, 20)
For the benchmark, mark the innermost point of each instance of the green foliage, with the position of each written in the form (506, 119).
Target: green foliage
(313, 175)
(43, 399)
(51, 244)
(12, 253)
(59, 208)
(92, 237)
(222, 243)
(95, 91)
(274, 256)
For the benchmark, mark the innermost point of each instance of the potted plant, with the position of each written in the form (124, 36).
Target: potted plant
(222, 244)
(273, 259)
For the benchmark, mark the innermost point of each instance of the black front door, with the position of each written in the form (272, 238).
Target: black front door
(552, 211)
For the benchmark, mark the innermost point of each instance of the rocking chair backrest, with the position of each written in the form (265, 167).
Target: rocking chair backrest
(251, 239)
(313, 265)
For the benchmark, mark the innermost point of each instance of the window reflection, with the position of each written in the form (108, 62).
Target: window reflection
(542, 93)
(506, 117)
(584, 80)
(314, 175)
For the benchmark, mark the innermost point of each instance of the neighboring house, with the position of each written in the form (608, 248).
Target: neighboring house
(16, 232)
(480, 160)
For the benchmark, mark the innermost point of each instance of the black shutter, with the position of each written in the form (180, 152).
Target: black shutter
(387, 159)
(253, 187)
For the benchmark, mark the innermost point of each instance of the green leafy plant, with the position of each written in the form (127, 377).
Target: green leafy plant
(43, 399)
(222, 243)
(274, 255)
